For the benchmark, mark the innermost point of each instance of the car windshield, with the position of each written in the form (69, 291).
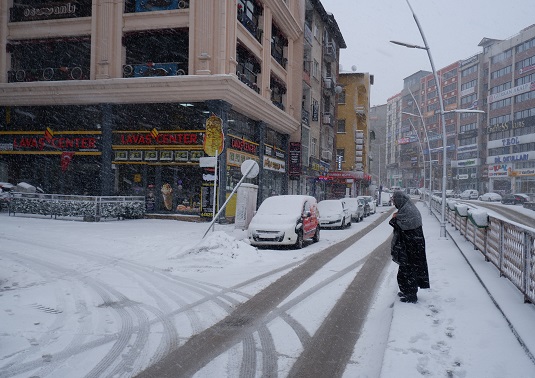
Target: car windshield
(329, 205)
(279, 205)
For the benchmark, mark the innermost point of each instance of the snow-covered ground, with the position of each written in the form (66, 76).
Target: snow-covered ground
(65, 286)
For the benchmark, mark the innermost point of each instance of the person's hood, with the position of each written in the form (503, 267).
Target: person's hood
(399, 198)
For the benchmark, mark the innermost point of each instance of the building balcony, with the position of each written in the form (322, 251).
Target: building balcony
(305, 117)
(153, 69)
(329, 52)
(251, 84)
(48, 74)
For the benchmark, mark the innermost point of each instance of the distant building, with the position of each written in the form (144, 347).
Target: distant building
(494, 151)
(321, 52)
(351, 175)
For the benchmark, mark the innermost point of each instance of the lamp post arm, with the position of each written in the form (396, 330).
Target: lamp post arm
(442, 119)
(428, 151)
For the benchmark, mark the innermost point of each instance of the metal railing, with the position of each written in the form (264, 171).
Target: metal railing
(89, 208)
(508, 246)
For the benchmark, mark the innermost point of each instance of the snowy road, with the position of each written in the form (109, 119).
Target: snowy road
(85, 298)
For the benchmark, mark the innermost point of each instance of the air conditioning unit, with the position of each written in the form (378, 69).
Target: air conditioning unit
(326, 155)
(327, 119)
(359, 109)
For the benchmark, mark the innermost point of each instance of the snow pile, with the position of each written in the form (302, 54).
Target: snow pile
(216, 250)
(461, 209)
(478, 217)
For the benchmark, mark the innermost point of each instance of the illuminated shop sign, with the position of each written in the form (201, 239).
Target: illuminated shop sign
(158, 138)
(49, 141)
(158, 147)
(243, 145)
(274, 164)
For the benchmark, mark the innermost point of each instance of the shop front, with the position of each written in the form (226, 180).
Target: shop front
(150, 150)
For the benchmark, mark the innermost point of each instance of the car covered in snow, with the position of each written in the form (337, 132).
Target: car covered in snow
(469, 194)
(334, 214)
(490, 197)
(285, 220)
(356, 208)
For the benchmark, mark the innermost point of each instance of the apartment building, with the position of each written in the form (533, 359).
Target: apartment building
(509, 79)
(351, 174)
(322, 43)
(125, 97)
(494, 151)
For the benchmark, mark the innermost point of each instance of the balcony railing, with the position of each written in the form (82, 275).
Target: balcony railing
(153, 69)
(329, 52)
(48, 74)
(243, 78)
(250, 25)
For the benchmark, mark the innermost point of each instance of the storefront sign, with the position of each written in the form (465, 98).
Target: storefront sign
(207, 200)
(158, 138)
(236, 158)
(243, 145)
(214, 140)
(527, 87)
(295, 160)
(511, 158)
(274, 164)
(48, 140)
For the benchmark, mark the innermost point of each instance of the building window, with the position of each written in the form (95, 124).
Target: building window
(248, 68)
(341, 129)
(278, 43)
(316, 69)
(469, 71)
(342, 97)
(249, 12)
(340, 154)
(278, 89)
(501, 72)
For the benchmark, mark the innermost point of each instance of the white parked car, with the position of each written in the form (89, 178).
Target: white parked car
(334, 213)
(285, 220)
(372, 203)
(469, 194)
(490, 197)
(356, 208)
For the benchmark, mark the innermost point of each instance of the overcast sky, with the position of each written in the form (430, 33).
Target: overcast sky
(453, 30)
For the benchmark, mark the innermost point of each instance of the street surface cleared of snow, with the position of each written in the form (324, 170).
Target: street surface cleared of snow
(110, 298)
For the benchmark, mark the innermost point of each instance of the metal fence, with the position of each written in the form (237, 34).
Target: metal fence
(510, 247)
(89, 208)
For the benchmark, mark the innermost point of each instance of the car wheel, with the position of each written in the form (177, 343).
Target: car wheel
(348, 224)
(299, 242)
(343, 225)
(316, 237)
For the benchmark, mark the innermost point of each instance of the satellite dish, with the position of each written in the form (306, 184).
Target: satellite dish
(354, 68)
(249, 168)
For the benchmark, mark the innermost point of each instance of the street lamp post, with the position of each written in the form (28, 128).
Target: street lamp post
(442, 118)
(428, 151)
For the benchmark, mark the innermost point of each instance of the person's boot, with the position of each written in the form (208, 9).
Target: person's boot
(409, 299)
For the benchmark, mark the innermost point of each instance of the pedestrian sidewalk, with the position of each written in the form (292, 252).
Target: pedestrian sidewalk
(471, 322)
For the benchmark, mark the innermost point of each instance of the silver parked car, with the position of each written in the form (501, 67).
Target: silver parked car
(334, 214)
(356, 208)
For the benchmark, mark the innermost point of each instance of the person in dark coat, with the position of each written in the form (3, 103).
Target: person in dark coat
(408, 248)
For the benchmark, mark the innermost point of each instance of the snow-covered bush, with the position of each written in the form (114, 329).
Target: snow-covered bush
(479, 218)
